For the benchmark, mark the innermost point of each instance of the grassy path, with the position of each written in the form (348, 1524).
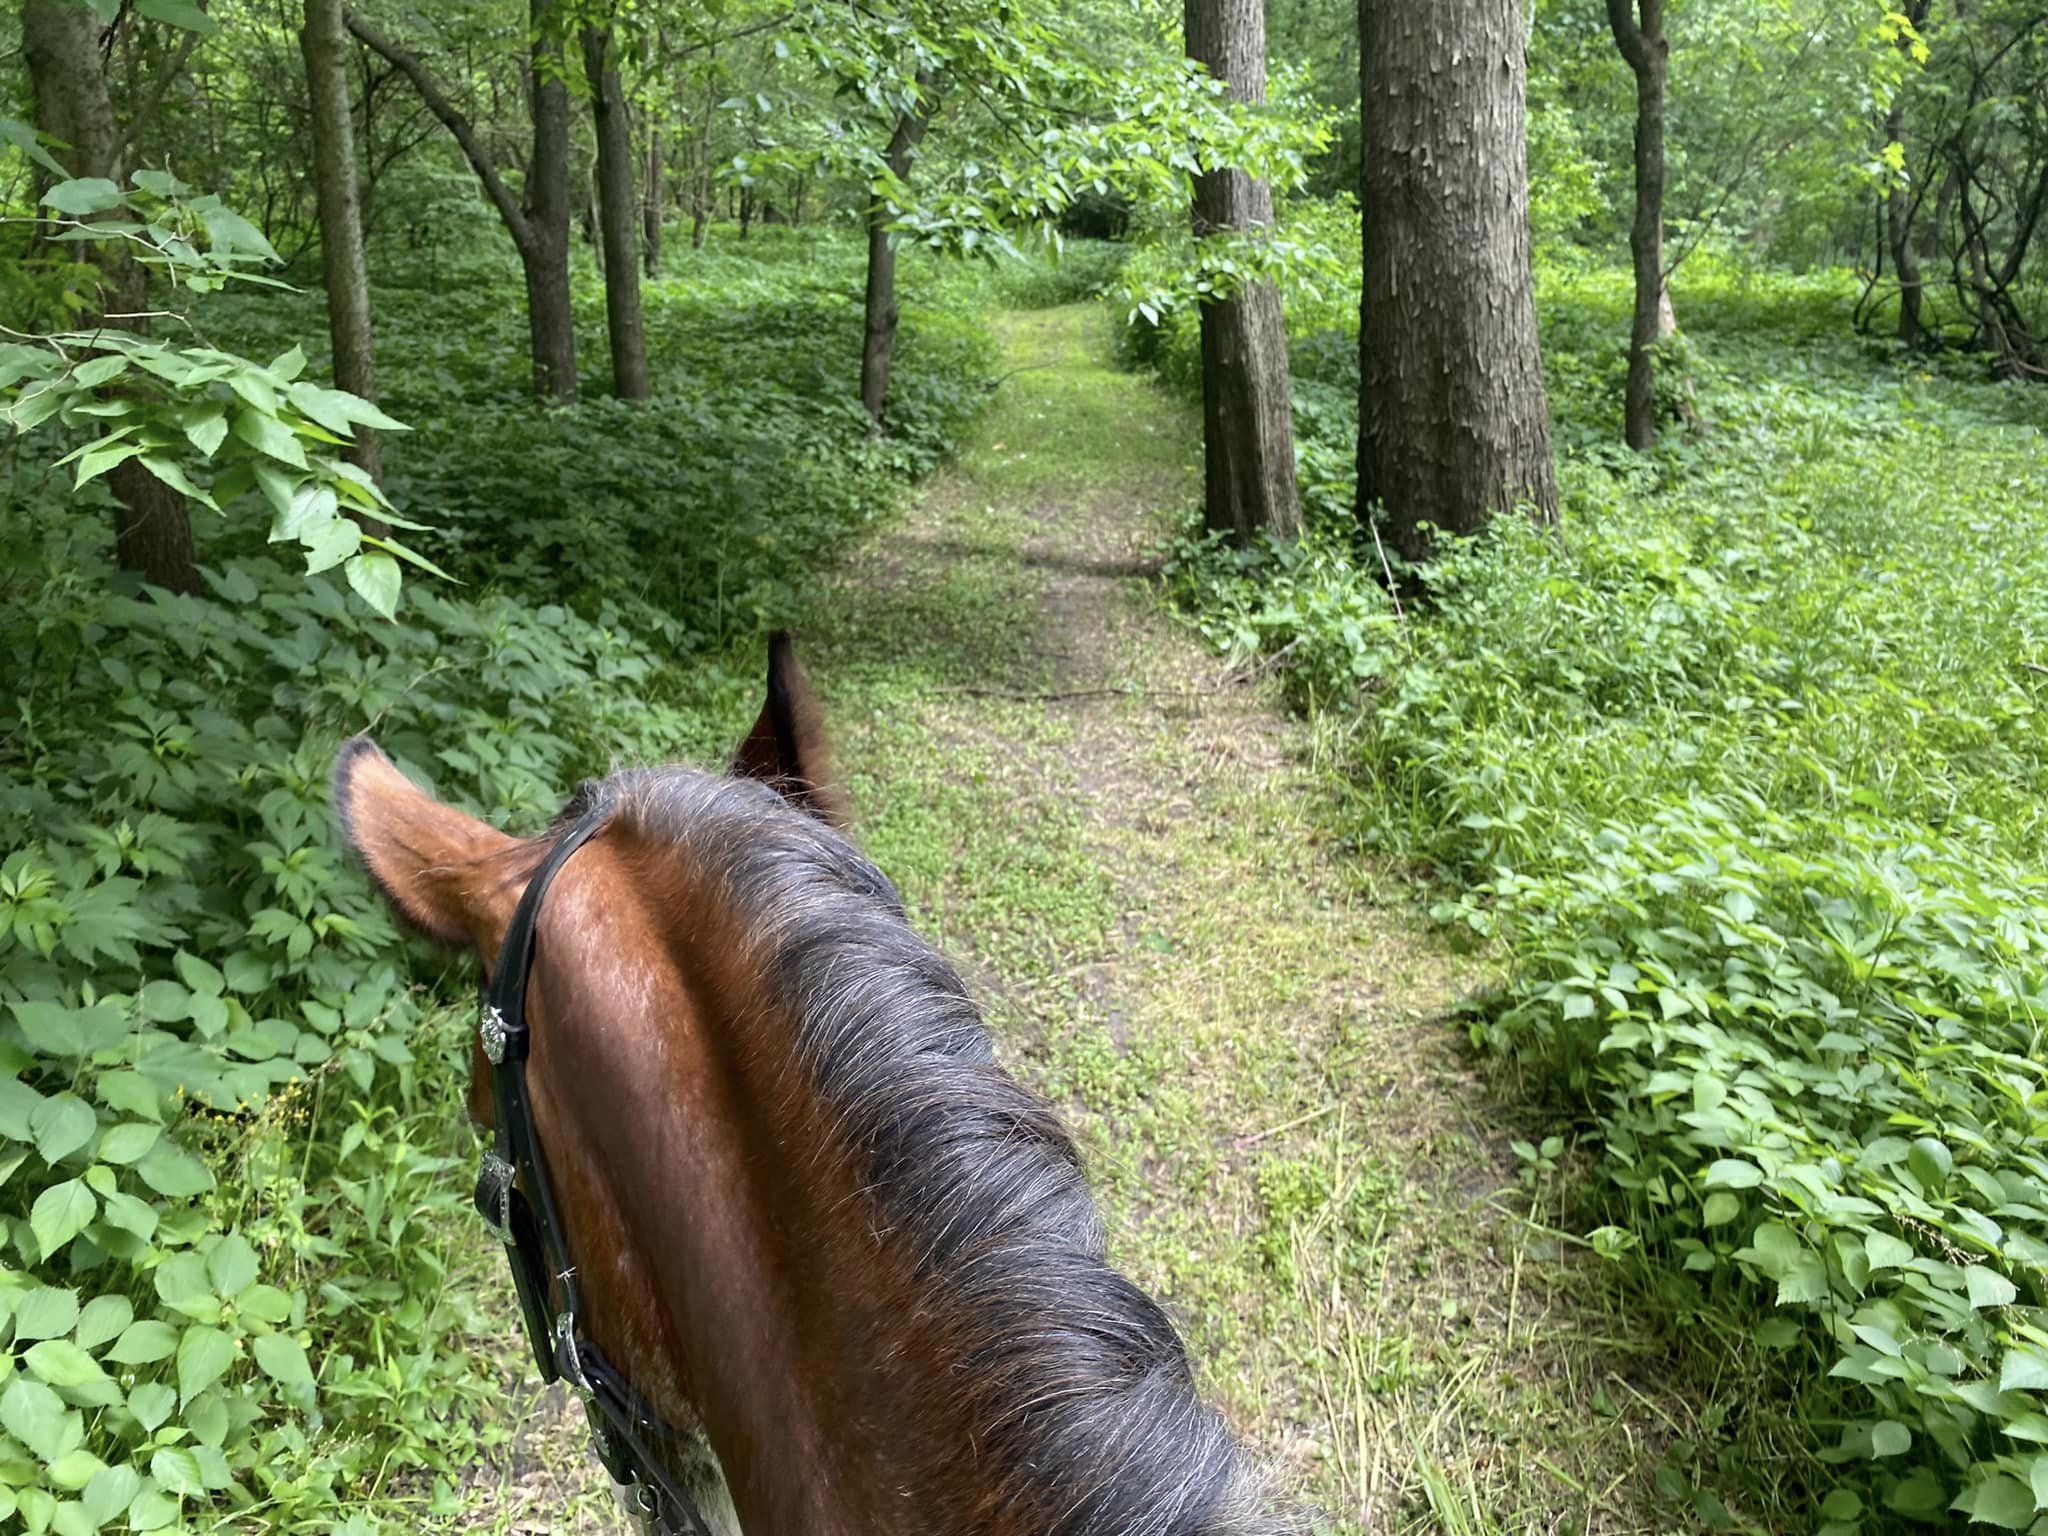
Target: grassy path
(1122, 849)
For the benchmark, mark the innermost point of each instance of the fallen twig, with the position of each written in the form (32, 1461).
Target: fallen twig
(1256, 1137)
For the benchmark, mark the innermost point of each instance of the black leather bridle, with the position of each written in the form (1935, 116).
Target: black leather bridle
(514, 1196)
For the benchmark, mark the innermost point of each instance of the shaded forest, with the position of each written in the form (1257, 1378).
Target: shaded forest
(1617, 430)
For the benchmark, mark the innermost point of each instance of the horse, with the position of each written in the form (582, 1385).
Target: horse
(815, 1222)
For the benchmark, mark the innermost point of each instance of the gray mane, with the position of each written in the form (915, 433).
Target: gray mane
(1072, 1382)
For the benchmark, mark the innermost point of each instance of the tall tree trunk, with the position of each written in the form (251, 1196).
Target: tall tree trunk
(878, 342)
(60, 42)
(1247, 404)
(650, 205)
(540, 226)
(1902, 203)
(1453, 424)
(700, 199)
(323, 41)
(617, 215)
(551, 318)
(1649, 55)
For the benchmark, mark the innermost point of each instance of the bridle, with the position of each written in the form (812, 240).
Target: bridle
(515, 1198)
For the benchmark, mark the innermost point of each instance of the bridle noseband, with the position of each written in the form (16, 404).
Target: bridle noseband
(513, 1195)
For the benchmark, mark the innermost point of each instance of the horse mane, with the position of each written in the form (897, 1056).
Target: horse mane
(1072, 1383)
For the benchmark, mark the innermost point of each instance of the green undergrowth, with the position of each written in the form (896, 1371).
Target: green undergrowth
(236, 1264)
(1741, 771)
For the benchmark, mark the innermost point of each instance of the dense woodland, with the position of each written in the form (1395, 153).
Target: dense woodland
(1624, 441)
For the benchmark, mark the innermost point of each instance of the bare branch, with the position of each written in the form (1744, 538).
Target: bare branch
(409, 65)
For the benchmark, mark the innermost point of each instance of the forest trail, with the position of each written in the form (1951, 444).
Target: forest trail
(1125, 846)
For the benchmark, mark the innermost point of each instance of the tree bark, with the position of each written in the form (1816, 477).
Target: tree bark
(700, 200)
(60, 43)
(1648, 53)
(650, 205)
(323, 42)
(617, 213)
(1900, 208)
(540, 227)
(878, 343)
(1453, 423)
(1247, 394)
(547, 209)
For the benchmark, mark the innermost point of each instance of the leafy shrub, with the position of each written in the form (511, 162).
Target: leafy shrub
(1080, 270)
(231, 1210)
(1743, 768)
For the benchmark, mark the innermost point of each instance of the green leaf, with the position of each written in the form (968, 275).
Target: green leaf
(1930, 1162)
(87, 194)
(173, 474)
(57, 1030)
(144, 1343)
(182, 1283)
(2025, 1369)
(153, 1510)
(170, 1170)
(63, 1364)
(29, 142)
(1720, 1209)
(95, 371)
(265, 1303)
(104, 455)
(283, 1360)
(60, 1214)
(35, 1416)
(208, 430)
(1886, 1251)
(110, 1492)
(71, 1472)
(151, 1403)
(201, 975)
(45, 1313)
(231, 1266)
(1890, 1438)
(1732, 1173)
(204, 1355)
(267, 435)
(334, 543)
(177, 1470)
(1988, 1288)
(178, 13)
(128, 1141)
(1999, 1500)
(375, 578)
(104, 1318)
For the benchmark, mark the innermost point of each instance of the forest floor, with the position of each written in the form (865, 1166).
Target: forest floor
(1123, 843)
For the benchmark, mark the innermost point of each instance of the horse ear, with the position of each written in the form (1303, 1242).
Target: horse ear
(440, 868)
(786, 747)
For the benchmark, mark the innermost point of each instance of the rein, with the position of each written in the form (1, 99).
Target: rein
(514, 1196)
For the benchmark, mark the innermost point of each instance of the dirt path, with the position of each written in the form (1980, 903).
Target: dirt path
(1126, 850)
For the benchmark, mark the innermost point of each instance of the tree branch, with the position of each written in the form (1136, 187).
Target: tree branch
(1621, 21)
(409, 65)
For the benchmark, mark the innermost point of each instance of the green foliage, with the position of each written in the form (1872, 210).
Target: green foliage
(1743, 772)
(211, 425)
(1078, 270)
(233, 1189)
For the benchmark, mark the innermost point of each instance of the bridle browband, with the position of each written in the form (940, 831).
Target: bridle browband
(514, 1196)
